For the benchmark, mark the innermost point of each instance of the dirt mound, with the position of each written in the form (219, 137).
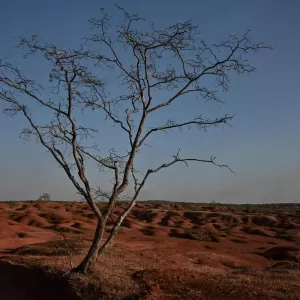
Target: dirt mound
(282, 253)
(172, 219)
(83, 226)
(288, 225)
(258, 231)
(286, 265)
(56, 216)
(142, 215)
(52, 248)
(217, 225)
(203, 236)
(229, 218)
(32, 220)
(264, 221)
(181, 234)
(127, 223)
(194, 217)
(154, 231)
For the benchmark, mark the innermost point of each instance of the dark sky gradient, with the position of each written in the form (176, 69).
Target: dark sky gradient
(262, 146)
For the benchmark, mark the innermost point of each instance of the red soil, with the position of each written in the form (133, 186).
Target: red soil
(165, 251)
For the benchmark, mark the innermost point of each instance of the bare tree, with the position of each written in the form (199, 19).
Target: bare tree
(175, 59)
(44, 197)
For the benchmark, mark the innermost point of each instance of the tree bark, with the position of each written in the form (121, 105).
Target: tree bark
(116, 227)
(91, 257)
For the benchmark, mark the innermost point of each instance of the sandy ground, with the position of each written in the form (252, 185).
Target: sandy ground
(164, 251)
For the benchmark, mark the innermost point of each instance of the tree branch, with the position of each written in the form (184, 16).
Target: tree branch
(202, 124)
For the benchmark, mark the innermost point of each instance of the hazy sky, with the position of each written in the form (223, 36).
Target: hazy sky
(263, 145)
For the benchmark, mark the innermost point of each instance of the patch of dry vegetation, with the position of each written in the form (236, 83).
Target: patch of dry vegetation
(177, 258)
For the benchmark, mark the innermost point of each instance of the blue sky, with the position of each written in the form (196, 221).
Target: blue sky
(262, 146)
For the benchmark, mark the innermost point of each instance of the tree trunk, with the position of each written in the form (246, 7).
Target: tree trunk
(116, 227)
(95, 249)
(91, 257)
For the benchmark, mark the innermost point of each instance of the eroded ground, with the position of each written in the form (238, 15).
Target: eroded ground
(164, 251)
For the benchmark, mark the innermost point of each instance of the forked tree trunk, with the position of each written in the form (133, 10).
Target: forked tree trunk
(95, 248)
(91, 257)
(116, 228)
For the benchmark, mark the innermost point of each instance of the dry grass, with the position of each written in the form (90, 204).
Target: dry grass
(155, 273)
(146, 263)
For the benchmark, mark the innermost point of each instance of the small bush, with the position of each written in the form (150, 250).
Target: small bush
(12, 204)
(44, 197)
(11, 215)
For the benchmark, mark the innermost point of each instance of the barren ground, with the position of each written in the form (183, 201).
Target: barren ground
(164, 251)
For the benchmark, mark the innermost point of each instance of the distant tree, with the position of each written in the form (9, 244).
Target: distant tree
(44, 197)
(175, 60)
